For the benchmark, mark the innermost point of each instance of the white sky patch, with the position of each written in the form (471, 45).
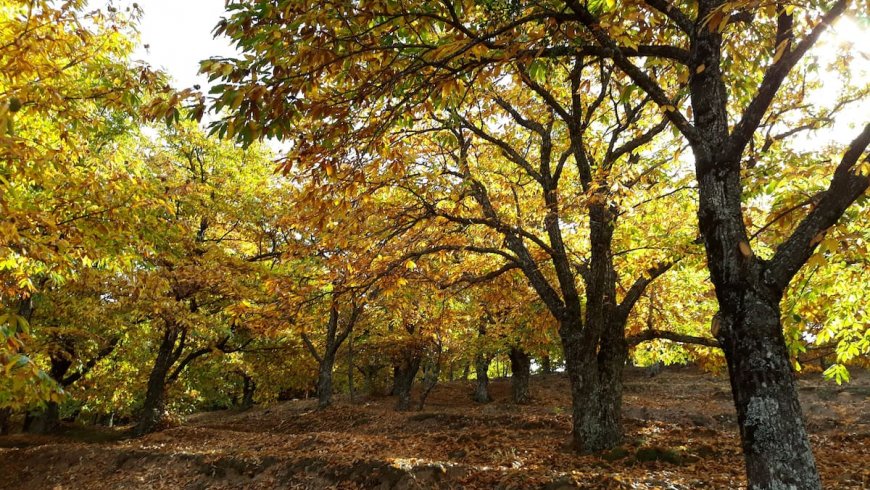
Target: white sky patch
(179, 35)
(845, 34)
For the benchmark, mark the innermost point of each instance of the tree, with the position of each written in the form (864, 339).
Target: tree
(667, 51)
(200, 260)
(459, 162)
(69, 94)
(723, 135)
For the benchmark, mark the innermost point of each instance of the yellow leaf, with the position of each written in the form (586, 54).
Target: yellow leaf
(700, 68)
(410, 265)
(745, 249)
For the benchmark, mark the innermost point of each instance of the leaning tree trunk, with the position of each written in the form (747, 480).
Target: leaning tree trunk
(775, 443)
(404, 374)
(521, 365)
(154, 407)
(431, 372)
(481, 390)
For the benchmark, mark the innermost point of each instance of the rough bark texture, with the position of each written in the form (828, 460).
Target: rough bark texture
(775, 442)
(521, 365)
(481, 387)
(596, 424)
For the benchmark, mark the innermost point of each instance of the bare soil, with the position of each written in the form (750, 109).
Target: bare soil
(680, 434)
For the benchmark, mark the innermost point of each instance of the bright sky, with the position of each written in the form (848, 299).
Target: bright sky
(178, 35)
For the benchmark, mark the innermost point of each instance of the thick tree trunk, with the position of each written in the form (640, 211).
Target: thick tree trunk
(775, 443)
(154, 407)
(404, 374)
(596, 407)
(44, 421)
(370, 373)
(612, 354)
(324, 379)
(481, 389)
(521, 365)
(5, 425)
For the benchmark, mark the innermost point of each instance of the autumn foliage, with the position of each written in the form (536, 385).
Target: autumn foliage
(376, 197)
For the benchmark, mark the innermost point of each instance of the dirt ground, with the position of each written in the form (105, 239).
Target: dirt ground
(680, 434)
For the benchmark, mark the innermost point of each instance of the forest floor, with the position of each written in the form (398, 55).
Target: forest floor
(682, 420)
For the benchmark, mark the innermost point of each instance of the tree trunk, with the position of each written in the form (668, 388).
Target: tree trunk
(5, 416)
(775, 443)
(404, 375)
(612, 354)
(47, 419)
(350, 368)
(466, 370)
(431, 372)
(43, 421)
(324, 380)
(481, 368)
(595, 407)
(248, 389)
(546, 365)
(521, 365)
(154, 407)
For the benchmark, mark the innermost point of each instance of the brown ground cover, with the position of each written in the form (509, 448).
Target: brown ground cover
(680, 427)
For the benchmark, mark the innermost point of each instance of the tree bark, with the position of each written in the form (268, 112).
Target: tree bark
(249, 386)
(350, 390)
(5, 416)
(774, 439)
(47, 419)
(481, 389)
(595, 416)
(431, 372)
(404, 374)
(521, 365)
(154, 406)
(324, 379)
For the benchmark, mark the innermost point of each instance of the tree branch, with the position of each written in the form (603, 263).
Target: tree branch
(648, 335)
(847, 185)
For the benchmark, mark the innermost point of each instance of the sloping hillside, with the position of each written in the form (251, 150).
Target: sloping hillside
(680, 434)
